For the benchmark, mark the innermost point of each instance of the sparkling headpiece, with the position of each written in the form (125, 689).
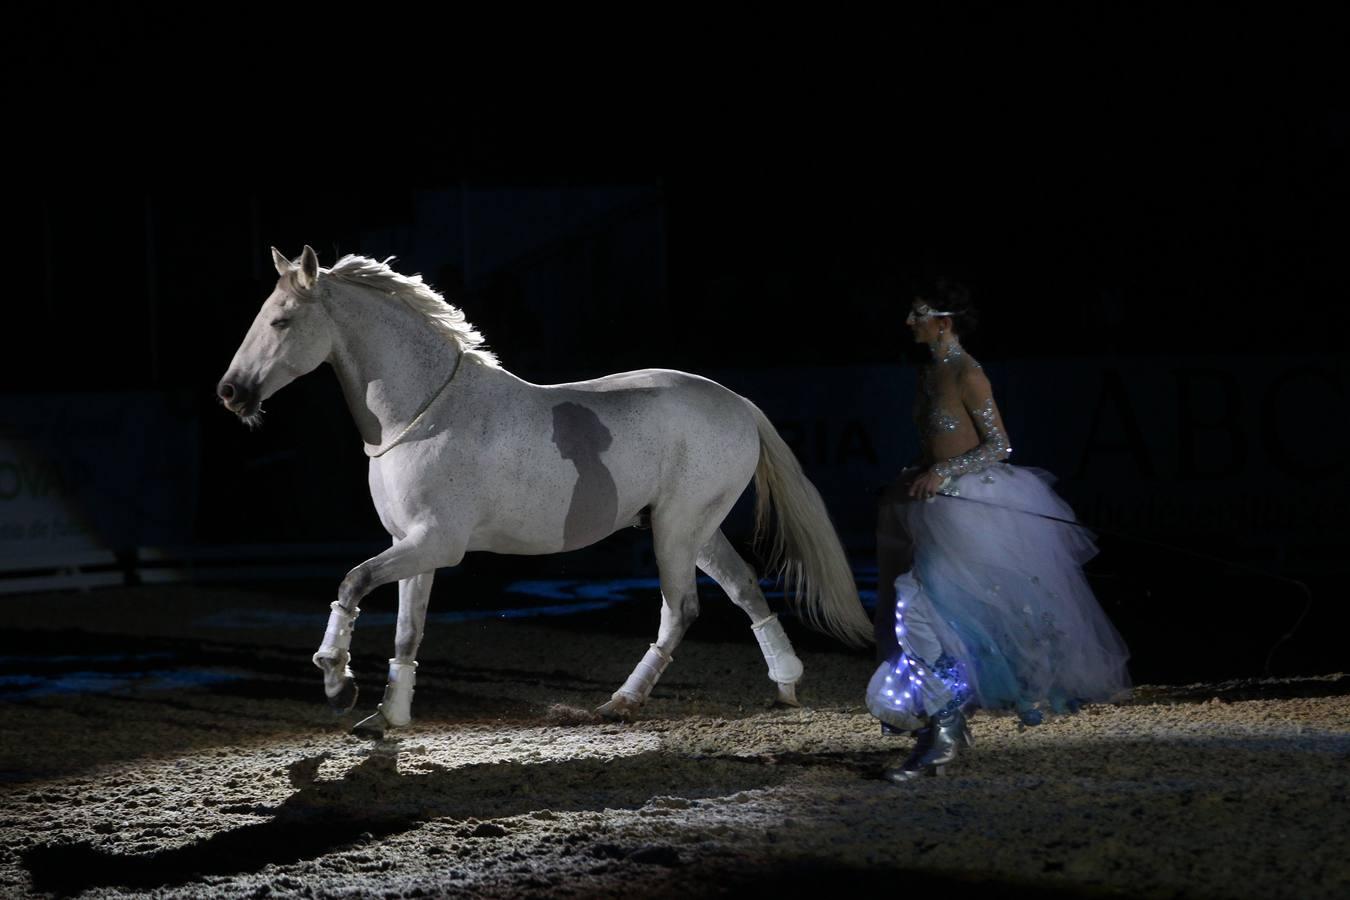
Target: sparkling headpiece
(923, 310)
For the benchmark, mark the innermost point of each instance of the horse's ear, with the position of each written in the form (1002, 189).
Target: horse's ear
(309, 267)
(281, 262)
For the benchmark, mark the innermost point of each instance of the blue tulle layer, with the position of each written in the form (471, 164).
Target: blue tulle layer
(998, 604)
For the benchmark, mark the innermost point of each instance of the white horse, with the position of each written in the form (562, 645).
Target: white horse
(466, 456)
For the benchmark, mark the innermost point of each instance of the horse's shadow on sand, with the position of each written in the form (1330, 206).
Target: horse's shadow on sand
(374, 800)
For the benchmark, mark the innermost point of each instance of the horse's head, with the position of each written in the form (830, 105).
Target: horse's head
(290, 336)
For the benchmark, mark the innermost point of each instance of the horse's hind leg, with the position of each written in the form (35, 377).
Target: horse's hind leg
(735, 576)
(679, 608)
(396, 708)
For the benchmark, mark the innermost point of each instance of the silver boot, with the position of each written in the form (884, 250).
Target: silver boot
(911, 767)
(937, 747)
(949, 731)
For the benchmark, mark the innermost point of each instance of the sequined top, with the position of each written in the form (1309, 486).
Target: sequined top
(952, 391)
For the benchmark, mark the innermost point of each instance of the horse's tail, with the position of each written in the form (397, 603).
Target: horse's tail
(805, 549)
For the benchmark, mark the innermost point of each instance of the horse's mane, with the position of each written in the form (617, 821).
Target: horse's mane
(449, 320)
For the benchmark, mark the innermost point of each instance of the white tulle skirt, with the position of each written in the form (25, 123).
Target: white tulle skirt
(996, 613)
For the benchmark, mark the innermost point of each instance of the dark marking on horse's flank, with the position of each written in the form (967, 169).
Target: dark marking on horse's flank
(581, 437)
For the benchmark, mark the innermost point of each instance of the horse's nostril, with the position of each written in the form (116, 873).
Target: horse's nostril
(226, 391)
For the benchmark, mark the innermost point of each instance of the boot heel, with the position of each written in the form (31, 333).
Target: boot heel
(938, 771)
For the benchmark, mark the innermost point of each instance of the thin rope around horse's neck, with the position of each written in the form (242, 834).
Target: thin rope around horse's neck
(376, 454)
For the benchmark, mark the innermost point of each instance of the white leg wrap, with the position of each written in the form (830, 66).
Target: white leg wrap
(643, 679)
(784, 666)
(337, 640)
(334, 653)
(397, 705)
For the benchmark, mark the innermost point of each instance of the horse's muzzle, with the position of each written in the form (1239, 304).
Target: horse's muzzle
(237, 398)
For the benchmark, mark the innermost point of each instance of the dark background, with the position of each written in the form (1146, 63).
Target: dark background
(1135, 191)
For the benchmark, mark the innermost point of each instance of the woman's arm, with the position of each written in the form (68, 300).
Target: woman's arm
(978, 398)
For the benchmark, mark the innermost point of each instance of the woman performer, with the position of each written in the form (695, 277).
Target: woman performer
(994, 611)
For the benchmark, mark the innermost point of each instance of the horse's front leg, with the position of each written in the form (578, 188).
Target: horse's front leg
(396, 708)
(334, 657)
(408, 557)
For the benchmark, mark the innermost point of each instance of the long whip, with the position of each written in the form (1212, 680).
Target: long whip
(1307, 592)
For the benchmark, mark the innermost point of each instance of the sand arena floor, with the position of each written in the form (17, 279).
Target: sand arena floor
(157, 750)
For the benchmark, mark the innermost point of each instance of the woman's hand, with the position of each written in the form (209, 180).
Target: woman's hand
(925, 484)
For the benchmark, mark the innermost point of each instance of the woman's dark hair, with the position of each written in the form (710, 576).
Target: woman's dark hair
(946, 295)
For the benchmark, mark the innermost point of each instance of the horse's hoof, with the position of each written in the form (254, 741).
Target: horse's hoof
(345, 699)
(618, 708)
(787, 694)
(371, 727)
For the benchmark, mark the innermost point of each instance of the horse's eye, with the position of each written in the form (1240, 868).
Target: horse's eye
(280, 323)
